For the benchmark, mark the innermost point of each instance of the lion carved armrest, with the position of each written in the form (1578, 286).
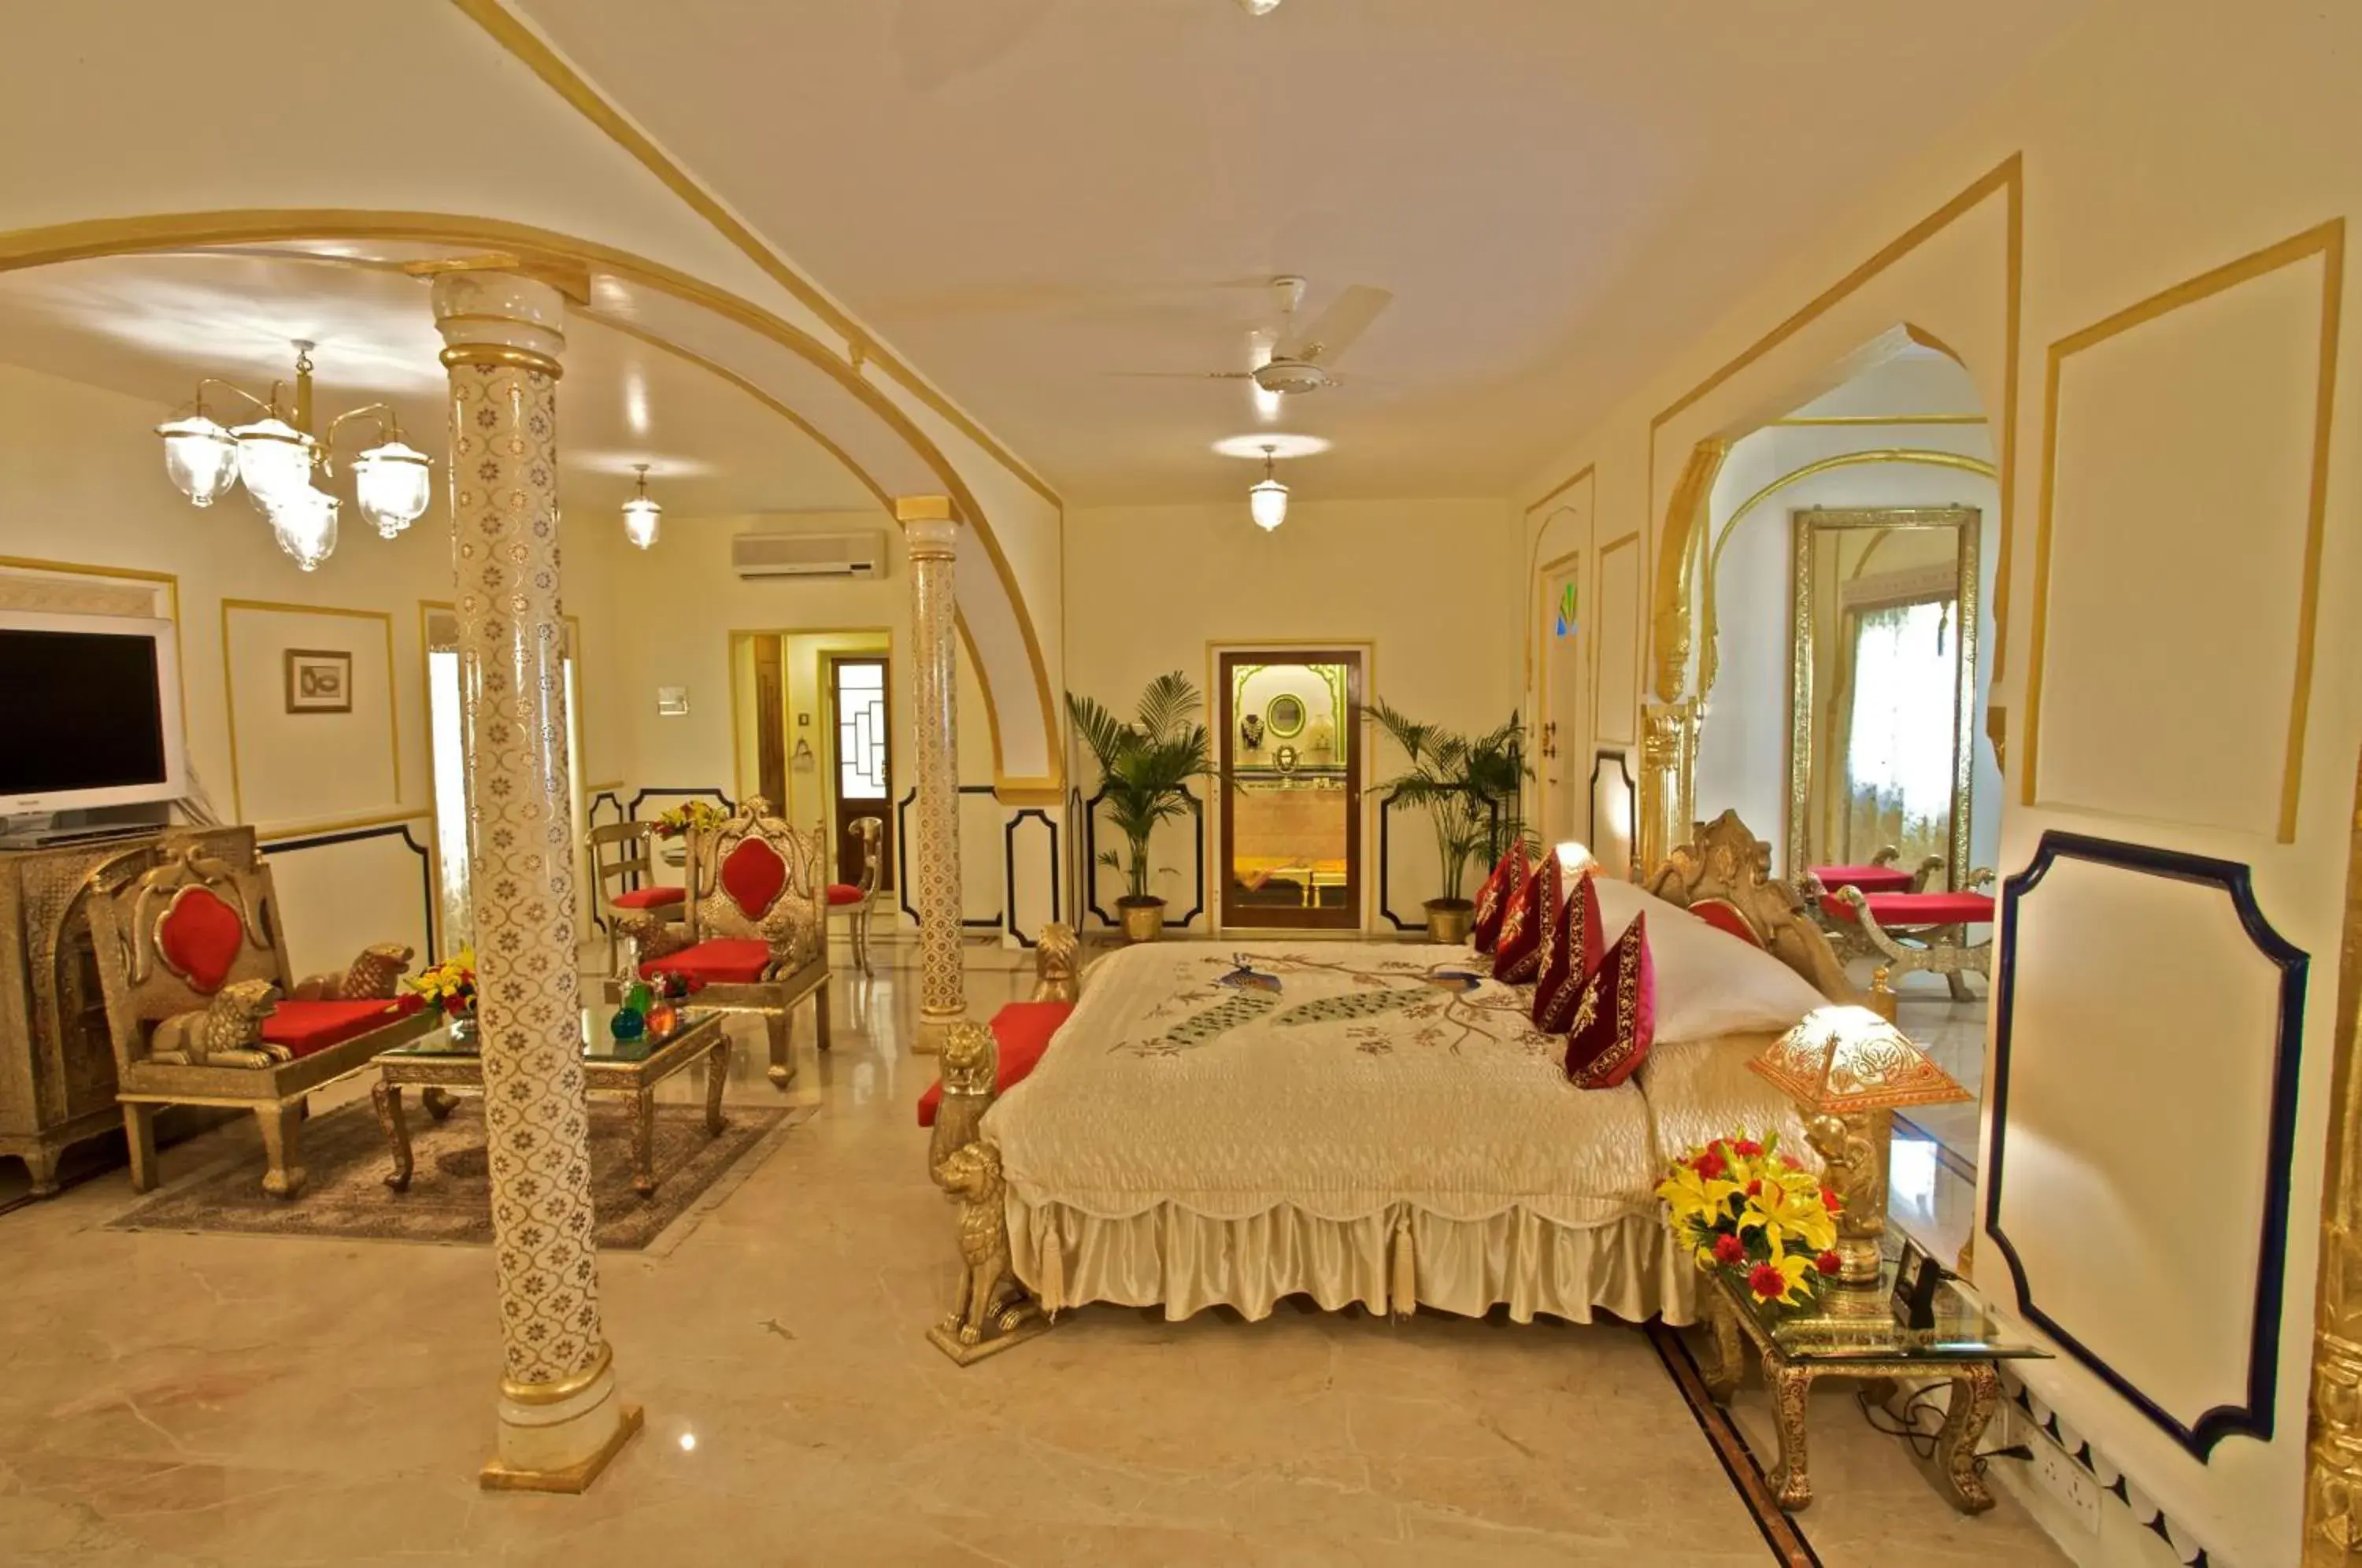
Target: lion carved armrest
(1056, 956)
(374, 976)
(649, 933)
(793, 928)
(226, 1034)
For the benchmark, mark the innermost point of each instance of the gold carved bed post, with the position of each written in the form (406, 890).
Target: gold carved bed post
(2333, 1481)
(990, 1310)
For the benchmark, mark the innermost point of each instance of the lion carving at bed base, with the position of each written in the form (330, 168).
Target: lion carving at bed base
(990, 1310)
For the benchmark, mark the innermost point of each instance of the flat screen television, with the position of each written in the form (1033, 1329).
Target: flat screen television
(93, 707)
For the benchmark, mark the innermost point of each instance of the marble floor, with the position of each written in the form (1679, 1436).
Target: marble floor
(184, 1399)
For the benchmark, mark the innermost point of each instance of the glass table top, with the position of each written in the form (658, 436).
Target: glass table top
(599, 1041)
(1865, 1325)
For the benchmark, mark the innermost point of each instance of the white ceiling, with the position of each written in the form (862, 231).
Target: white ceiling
(150, 326)
(1021, 194)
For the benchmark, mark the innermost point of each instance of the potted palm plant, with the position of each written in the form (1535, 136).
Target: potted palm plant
(1146, 766)
(1469, 788)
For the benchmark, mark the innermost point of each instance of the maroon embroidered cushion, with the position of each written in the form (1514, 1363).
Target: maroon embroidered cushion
(199, 939)
(1576, 947)
(1517, 957)
(1617, 1016)
(753, 875)
(1493, 898)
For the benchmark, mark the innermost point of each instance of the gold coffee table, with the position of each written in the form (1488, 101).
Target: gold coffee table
(1857, 1334)
(441, 1067)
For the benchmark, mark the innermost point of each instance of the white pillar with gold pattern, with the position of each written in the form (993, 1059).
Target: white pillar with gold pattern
(560, 1417)
(930, 530)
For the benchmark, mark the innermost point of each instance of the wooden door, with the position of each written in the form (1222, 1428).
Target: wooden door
(1288, 744)
(1566, 736)
(861, 738)
(770, 723)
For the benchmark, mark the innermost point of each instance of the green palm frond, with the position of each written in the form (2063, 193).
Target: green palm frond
(1146, 765)
(1469, 788)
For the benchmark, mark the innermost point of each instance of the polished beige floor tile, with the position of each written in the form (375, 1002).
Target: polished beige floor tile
(194, 1399)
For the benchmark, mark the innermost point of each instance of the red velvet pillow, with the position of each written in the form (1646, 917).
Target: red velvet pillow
(1577, 944)
(1517, 957)
(199, 939)
(1616, 1017)
(1723, 915)
(1494, 897)
(753, 875)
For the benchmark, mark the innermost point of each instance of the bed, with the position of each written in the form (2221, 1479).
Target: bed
(1234, 1123)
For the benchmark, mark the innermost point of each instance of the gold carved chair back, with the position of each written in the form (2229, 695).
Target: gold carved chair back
(752, 876)
(171, 935)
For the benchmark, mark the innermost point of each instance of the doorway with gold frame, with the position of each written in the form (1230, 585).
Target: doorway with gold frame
(1289, 750)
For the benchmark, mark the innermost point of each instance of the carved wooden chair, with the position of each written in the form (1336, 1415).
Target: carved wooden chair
(623, 883)
(757, 936)
(1922, 931)
(203, 1009)
(858, 901)
(1819, 886)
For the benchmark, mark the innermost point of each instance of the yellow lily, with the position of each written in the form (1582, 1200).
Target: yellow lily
(1784, 1215)
(1694, 1198)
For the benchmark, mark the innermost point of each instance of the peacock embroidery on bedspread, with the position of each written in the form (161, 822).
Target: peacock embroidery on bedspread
(1448, 1004)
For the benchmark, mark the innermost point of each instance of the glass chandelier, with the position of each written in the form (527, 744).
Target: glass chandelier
(1267, 501)
(276, 458)
(640, 515)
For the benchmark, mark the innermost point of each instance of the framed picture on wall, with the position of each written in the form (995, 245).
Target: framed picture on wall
(319, 680)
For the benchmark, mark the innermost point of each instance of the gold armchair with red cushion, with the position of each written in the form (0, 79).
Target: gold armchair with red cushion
(757, 936)
(203, 1008)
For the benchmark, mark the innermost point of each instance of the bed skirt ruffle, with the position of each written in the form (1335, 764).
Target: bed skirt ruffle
(1184, 1262)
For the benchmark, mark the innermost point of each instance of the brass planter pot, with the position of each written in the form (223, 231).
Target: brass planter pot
(1449, 921)
(1143, 919)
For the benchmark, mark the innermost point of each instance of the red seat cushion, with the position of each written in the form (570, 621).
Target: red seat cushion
(717, 961)
(1617, 1018)
(1021, 1030)
(199, 938)
(649, 897)
(304, 1027)
(1921, 908)
(753, 875)
(1869, 878)
(1723, 915)
(842, 893)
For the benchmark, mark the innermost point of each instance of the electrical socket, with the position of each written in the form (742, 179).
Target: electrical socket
(2070, 1482)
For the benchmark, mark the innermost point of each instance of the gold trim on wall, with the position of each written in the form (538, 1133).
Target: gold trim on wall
(1875, 419)
(230, 683)
(1710, 637)
(1630, 707)
(540, 248)
(2326, 241)
(301, 829)
(523, 42)
(2007, 177)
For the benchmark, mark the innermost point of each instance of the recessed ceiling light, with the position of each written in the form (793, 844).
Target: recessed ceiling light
(1256, 446)
(1258, 8)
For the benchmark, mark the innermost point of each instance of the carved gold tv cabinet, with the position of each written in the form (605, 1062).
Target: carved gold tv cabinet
(57, 1069)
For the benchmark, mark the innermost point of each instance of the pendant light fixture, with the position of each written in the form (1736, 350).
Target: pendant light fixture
(1267, 501)
(640, 515)
(276, 457)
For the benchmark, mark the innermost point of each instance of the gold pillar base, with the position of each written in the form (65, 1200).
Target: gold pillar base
(934, 1029)
(560, 1444)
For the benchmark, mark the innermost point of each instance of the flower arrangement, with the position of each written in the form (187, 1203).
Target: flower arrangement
(691, 816)
(450, 984)
(1741, 1206)
(672, 985)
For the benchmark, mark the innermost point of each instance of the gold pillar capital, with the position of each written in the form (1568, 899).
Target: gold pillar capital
(910, 509)
(499, 318)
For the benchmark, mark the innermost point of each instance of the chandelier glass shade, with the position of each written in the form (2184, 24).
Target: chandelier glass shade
(277, 458)
(275, 461)
(641, 516)
(200, 457)
(393, 484)
(1267, 501)
(305, 525)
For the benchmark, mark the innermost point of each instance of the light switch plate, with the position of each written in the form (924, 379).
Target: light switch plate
(672, 702)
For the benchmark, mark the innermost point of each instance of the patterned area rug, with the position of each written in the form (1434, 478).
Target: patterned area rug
(449, 1199)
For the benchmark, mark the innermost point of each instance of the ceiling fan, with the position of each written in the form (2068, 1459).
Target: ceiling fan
(1298, 357)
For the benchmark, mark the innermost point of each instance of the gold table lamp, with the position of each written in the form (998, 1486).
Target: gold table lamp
(1850, 1070)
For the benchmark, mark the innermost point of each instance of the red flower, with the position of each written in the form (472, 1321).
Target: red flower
(1728, 1249)
(1709, 1165)
(1791, 1162)
(1755, 1187)
(1747, 1148)
(1829, 1200)
(1828, 1262)
(1767, 1282)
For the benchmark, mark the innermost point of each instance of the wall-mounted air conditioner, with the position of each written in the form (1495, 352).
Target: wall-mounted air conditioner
(809, 555)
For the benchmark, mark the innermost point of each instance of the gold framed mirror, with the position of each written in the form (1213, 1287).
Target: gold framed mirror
(1883, 685)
